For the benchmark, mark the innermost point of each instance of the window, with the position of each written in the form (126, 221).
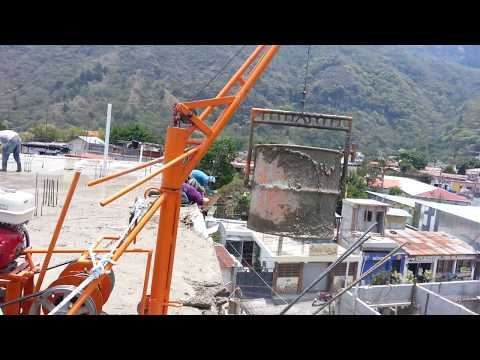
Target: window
(444, 266)
(463, 266)
(367, 215)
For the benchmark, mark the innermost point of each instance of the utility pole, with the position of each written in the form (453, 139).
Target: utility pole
(107, 139)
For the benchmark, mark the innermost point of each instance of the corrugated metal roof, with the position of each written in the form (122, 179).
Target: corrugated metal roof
(398, 212)
(92, 140)
(398, 199)
(224, 257)
(424, 243)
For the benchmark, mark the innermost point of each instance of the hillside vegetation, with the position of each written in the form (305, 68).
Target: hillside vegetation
(401, 97)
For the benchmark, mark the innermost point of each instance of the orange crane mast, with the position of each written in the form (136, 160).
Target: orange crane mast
(179, 160)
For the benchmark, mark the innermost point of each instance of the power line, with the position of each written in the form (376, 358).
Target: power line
(229, 61)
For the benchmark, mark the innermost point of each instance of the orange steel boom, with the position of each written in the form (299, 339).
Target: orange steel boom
(175, 171)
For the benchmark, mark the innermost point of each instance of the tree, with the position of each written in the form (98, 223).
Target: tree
(472, 163)
(395, 191)
(217, 161)
(416, 159)
(2, 125)
(356, 187)
(449, 170)
(131, 131)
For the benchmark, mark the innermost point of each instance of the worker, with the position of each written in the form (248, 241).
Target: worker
(192, 181)
(193, 195)
(11, 143)
(204, 180)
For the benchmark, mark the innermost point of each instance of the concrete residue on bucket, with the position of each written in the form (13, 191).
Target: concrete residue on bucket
(295, 189)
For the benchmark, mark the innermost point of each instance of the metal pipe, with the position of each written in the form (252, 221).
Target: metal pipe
(124, 172)
(346, 254)
(107, 139)
(58, 228)
(372, 269)
(87, 291)
(137, 183)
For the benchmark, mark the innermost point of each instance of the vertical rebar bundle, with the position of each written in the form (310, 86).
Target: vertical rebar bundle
(50, 190)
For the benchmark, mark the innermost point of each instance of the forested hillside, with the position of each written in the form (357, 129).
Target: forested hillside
(421, 97)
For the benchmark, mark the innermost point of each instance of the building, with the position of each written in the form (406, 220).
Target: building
(469, 182)
(287, 265)
(400, 202)
(357, 216)
(444, 255)
(86, 143)
(443, 196)
(460, 221)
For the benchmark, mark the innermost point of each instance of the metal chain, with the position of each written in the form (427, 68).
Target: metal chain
(306, 77)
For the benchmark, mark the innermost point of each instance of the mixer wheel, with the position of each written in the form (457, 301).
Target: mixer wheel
(54, 295)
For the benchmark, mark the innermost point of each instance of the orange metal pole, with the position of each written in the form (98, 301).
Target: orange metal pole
(58, 228)
(124, 172)
(167, 227)
(137, 183)
(230, 110)
(119, 252)
(145, 282)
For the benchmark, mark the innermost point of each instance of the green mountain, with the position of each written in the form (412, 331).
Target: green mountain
(422, 97)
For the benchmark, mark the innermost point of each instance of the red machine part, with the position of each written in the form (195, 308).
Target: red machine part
(12, 243)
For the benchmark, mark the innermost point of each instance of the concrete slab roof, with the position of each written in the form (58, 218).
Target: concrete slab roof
(398, 199)
(410, 186)
(471, 213)
(398, 212)
(365, 202)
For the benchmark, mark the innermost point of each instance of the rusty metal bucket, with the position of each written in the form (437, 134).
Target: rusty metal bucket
(294, 191)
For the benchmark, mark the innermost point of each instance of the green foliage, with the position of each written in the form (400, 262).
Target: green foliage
(3, 126)
(217, 161)
(382, 278)
(131, 131)
(472, 163)
(395, 191)
(414, 158)
(449, 170)
(397, 98)
(356, 187)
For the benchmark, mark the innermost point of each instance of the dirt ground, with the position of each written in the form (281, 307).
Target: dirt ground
(194, 259)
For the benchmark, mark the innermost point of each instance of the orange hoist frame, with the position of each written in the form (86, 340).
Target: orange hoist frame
(179, 161)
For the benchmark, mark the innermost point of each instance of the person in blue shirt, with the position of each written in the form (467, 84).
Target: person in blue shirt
(204, 180)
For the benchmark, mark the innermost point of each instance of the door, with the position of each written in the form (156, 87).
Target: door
(311, 271)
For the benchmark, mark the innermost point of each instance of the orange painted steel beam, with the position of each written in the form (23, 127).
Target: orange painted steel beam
(140, 182)
(225, 100)
(238, 75)
(172, 179)
(167, 226)
(58, 228)
(145, 282)
(124, 172)
(119, 252)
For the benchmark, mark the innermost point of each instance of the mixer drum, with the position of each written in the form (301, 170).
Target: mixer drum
(294, 191)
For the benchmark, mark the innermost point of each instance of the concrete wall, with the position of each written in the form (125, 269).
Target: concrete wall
(454, 288)
(429, 303)
(395, 222)
(344, 306)
(385, 294)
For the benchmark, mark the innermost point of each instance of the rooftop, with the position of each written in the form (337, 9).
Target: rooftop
(92, 140)
(398, 212)
(410, 186)
(440, 194)
(224, 258)
(398, 199)
(423, 243)
(365, 202)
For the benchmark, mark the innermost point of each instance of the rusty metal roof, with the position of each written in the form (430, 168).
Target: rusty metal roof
(423, 243)
(224, 257)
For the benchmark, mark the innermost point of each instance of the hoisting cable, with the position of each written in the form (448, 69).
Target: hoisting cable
(304, 94)
(229, 61)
